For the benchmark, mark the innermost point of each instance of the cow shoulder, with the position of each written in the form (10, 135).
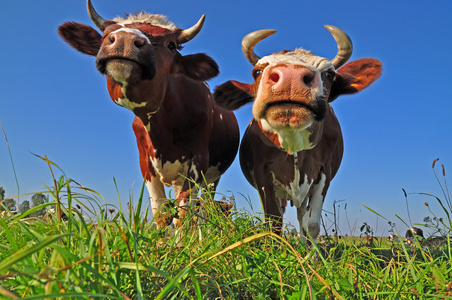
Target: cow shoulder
(82, 37)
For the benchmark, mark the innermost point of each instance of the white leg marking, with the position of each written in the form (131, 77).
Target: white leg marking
(309, 217)
(156, 193)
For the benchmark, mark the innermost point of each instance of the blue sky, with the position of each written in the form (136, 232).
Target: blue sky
(55, 103)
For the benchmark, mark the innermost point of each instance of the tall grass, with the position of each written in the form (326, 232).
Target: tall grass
(105, 252)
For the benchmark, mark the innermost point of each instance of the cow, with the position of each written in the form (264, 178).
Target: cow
(183, 137)
(52, 214)
(293, 146)
(393, 238)
(413, 232)
(7, 213)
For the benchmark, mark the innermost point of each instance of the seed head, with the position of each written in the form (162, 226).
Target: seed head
(434, 162)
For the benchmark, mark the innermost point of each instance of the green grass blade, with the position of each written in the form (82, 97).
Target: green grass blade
(195, 282)
(172, 284)
(138, 209)
(8, 234)
(69, 295)
(24, 253)
(374, 212)
(10, 158)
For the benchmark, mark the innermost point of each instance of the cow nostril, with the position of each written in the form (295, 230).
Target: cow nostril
(274, 77)
(308, 79)
(139, 43)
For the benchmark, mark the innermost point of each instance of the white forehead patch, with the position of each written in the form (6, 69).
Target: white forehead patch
(144, 17)
(133, 31)
(298, 57)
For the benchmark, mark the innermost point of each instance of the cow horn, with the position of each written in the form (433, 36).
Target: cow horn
(250, 40)
(188, 34)
(344, 46)
(97, 20)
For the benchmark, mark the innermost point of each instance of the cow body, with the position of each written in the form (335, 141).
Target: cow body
(182, 135)
(293, 147)
(412, 232)
(52, 214)
(298, 178)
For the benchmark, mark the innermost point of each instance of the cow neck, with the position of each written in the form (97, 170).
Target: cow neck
(144, 98)
(166, 123)
(271, 137)
(289, 141)
(144, 94)
(154, 117)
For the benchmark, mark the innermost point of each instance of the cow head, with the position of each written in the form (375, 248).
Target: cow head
(139, 54)
(292, 89)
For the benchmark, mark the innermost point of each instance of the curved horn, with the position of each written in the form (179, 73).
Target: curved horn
(344, 46)
(97, 20)
(250, 40)
(188, 34)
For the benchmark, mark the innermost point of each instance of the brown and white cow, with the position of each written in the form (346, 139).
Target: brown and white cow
(414, 231)
(181, 133)
(293, 147)
(52, 214)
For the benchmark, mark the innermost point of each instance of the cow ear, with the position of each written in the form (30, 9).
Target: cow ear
(197, 66)
(355, 76)
(82, 37)
(232, 95)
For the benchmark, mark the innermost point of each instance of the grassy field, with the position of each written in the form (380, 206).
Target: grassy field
(105, 253)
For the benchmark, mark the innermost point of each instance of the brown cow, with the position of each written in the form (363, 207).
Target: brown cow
(52, 214)
(181, 133)
(413, 232)
(293, 147)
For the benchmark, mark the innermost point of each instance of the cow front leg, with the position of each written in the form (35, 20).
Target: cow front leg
(309, 216)
(158, 198)
(186, 202)
(272, 208)
(207, 191)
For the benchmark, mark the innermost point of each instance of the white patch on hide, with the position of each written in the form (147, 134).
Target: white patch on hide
(291, 140)
(133, 31)
(296, 191)
(124, 102)
(309, 217)
(195, 172)
(169, 171)
(129, 104)
(213, 173)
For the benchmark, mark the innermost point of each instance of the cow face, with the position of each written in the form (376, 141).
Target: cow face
(139, 54)
(292, 89)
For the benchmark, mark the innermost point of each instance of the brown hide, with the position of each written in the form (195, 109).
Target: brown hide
(181, 133)
(293, 147)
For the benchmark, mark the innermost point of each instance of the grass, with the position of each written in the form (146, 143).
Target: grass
(104, 252)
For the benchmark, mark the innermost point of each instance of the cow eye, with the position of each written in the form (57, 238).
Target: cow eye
(257, 73)
(171, 45)
(330, 75)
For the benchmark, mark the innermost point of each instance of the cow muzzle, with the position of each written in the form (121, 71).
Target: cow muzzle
(290, 96)
(126, 57)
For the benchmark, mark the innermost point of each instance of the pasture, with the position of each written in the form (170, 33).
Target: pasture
(107, 252)
(55, 104)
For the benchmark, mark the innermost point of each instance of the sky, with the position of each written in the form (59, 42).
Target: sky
(54, 102)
